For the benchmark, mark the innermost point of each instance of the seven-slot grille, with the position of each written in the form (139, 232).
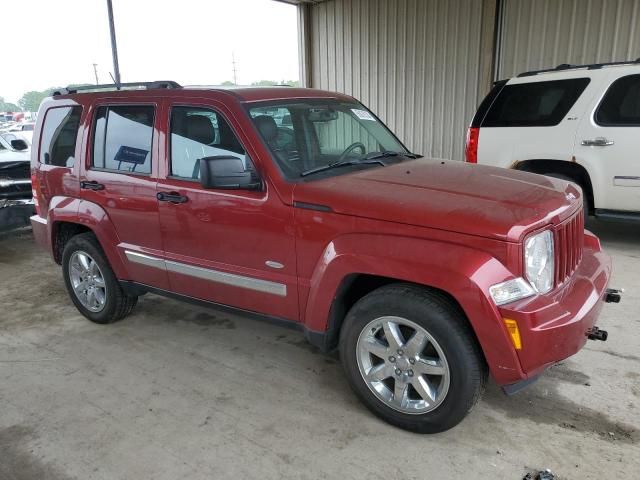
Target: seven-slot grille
(569, 243)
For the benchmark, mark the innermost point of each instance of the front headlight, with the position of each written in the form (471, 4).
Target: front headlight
(539, 261)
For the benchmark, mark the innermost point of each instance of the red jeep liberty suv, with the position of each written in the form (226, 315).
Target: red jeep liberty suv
(300, 206)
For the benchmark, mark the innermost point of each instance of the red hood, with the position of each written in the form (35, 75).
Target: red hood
(448, 195)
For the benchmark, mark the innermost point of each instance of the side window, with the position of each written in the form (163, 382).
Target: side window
(123, 137)
(200, 132)
(534, 104)
(59, 134)
(621, 104)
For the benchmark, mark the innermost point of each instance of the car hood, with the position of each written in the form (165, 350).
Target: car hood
(447, 195)
(9, 156)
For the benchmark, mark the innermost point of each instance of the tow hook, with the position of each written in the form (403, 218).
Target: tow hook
(594, 333)
(613, 295)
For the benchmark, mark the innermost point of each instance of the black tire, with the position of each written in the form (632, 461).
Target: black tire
(117, 304)
(446, 323)
(585, 201)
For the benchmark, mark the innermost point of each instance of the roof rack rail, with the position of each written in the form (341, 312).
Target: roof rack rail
(168, 84)
(567, 66)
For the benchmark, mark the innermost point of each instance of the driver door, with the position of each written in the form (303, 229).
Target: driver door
(232, 247)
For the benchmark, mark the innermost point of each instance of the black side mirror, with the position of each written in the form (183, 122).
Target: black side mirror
(228, 173)
(19, 145)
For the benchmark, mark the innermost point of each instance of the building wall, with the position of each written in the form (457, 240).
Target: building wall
(421, 65)
(539, 34)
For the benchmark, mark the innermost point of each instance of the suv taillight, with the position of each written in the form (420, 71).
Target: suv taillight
(35, 191)
(471, 147)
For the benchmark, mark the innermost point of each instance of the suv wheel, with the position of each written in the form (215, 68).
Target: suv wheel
(411, 359)
(91, 283)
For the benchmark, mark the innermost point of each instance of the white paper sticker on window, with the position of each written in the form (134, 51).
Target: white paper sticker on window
(363, 114)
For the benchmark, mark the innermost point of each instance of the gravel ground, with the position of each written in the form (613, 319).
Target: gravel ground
(177, 391)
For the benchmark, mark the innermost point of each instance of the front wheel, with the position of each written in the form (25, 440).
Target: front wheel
(411, 358)
(91, 283)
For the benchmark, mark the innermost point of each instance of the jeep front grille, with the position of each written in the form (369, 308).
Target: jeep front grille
(569, 243)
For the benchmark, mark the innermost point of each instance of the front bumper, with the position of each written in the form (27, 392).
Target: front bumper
(555, 326)
(15, 213)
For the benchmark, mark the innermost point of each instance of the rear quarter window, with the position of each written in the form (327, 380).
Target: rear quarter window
(59, 135)
(536, 104)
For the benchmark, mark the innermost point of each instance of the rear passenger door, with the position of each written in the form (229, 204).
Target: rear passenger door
(120, 176)
(608, 144)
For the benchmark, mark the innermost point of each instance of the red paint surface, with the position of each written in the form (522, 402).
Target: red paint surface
(448, 225)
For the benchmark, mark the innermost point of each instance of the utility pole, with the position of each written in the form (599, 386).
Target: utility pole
(114, 47)
(233, 67)
(95, 72)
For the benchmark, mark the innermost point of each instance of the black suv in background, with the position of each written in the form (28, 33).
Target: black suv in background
(16, 202)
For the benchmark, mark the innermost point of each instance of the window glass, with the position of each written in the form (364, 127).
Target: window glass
(29, 128)
(59, 134)
(537, 104)
(123, 138)
(304, 135)
(197, 133)
(621, 104)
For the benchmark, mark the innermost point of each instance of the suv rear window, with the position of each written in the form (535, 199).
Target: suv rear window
(123, 137)
(537, 104)
(621, 104)
(59, 133)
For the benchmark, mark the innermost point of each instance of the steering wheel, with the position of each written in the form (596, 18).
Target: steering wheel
(350, 149)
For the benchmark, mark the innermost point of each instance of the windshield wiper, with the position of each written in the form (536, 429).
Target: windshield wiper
(345, 163)
(390, 153)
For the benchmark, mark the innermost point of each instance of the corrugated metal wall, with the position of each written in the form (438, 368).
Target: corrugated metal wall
(421, 65)
(539, 34)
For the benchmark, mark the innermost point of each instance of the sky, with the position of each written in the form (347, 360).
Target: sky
(189, 41)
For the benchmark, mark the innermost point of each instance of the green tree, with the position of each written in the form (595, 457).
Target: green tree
(264, 83)
(270, 83)
(30, 101)
(7, 106)
(227, 83)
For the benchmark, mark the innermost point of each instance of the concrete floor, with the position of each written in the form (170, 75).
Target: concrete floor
(176, 391)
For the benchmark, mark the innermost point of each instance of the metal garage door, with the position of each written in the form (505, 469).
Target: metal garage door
(420, 65)
(538, 34)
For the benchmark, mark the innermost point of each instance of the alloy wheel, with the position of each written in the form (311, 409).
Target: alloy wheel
(403, 365)
(87, 281)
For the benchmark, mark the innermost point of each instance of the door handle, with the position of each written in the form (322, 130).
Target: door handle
(597, 142)
(173, 197)
(91, 185)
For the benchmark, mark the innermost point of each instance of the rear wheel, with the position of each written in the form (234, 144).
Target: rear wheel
(411, 358)
(91, 283)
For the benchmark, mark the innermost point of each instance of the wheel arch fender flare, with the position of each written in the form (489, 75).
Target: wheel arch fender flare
(90, 216)
(580, 172)
(462, 272)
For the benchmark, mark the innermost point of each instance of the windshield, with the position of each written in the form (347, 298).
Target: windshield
(306, 136)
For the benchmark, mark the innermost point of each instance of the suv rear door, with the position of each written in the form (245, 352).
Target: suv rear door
(120, 175)
(233, 247)
(608, 143)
